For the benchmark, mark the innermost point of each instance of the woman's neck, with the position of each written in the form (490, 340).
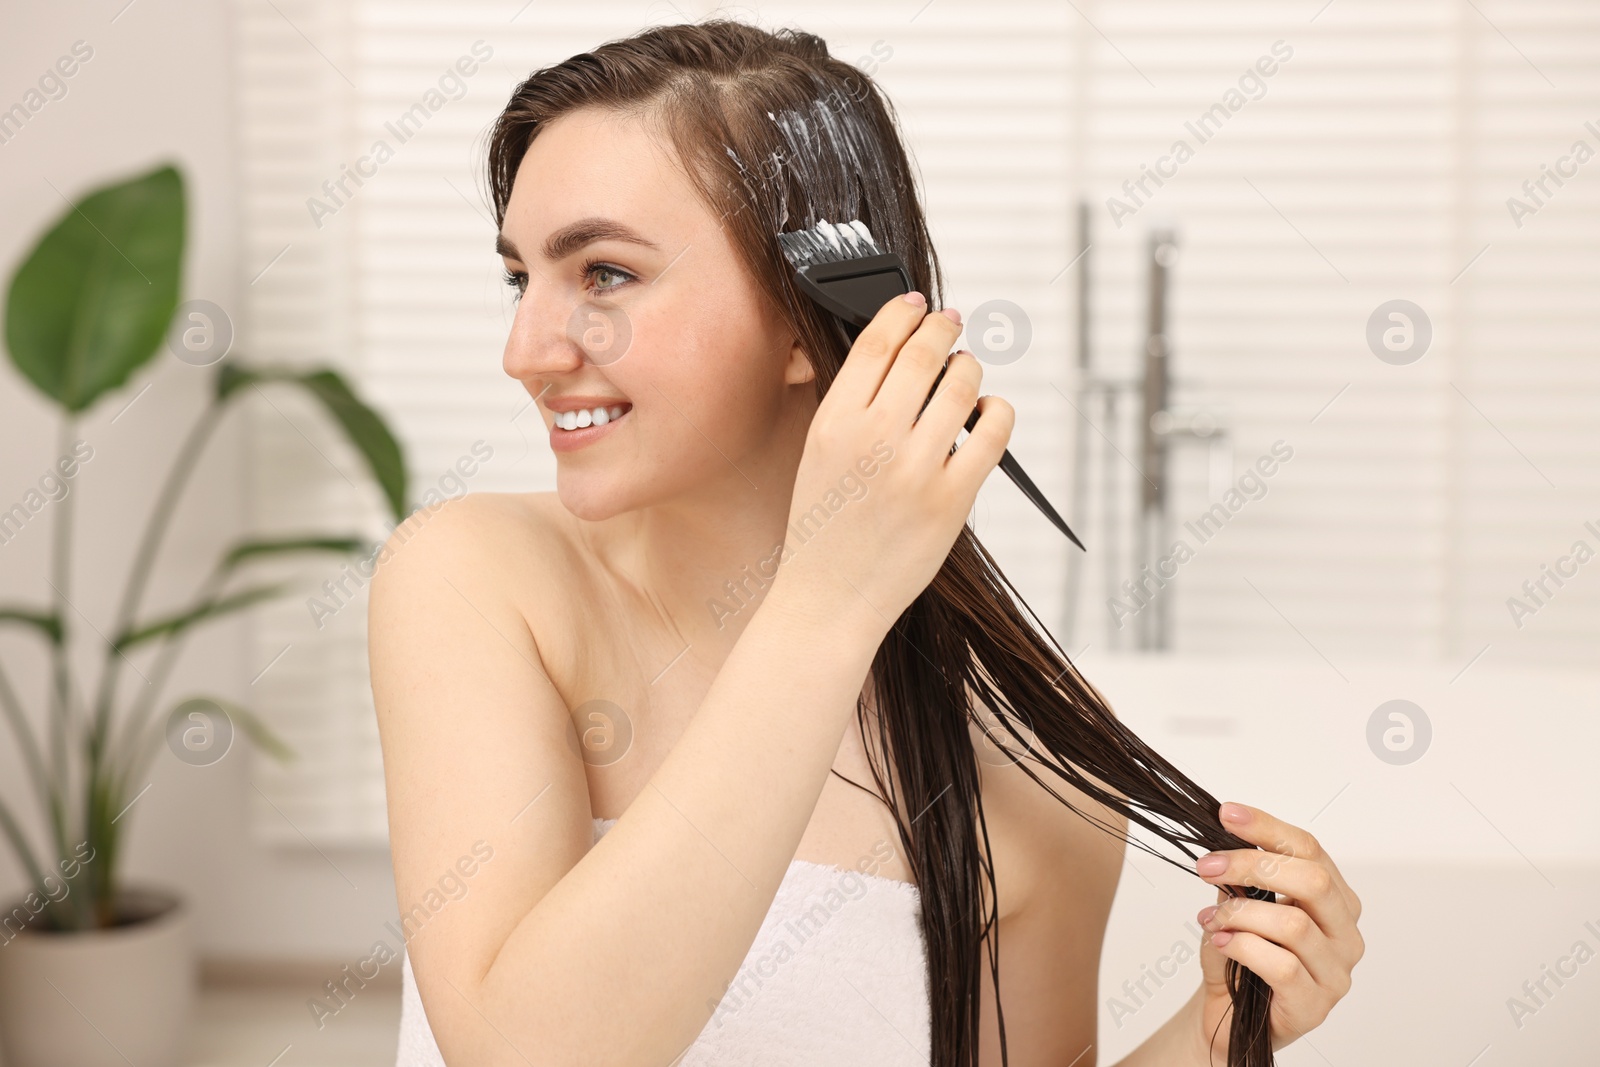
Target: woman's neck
(702, 560)
(702, 564)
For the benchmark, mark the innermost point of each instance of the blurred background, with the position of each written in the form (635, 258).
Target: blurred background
(1297, 304)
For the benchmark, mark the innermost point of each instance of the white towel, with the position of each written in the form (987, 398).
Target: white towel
(836, 976)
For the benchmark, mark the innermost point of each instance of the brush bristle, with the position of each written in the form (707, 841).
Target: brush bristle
(828, 243)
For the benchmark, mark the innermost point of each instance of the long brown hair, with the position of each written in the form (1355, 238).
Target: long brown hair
(776, 134)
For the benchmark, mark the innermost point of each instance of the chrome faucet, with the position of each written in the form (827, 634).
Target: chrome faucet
(1160, 425)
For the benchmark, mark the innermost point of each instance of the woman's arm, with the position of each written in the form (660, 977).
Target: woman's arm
(559, 954)
(1177, 1043)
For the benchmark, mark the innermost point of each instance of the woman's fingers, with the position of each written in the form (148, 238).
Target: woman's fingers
(955, 394)
(1296, 992)
(986, 441)
(1289, 861)
(875, 349)
(1286, 925)
(911, 374)
(1303, 946)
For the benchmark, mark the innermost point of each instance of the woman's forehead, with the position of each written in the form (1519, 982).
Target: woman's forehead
(593, 163)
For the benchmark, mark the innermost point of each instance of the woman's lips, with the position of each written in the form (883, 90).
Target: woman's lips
(572, 440)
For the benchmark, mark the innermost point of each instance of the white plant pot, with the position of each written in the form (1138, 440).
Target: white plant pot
(102, 998)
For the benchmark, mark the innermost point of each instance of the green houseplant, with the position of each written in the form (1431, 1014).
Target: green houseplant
(89, 306)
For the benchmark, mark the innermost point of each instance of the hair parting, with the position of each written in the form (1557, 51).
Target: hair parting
(776, 134)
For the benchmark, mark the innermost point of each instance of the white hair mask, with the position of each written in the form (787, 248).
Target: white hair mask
(825, 160)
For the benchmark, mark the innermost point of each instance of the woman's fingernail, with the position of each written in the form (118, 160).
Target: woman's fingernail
(1212, 864)
(1234, 813)
(917, 298)
(1222, 938)
(1206, 914)
(953, 314)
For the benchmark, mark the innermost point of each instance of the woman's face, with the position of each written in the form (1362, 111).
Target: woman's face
(633, 299)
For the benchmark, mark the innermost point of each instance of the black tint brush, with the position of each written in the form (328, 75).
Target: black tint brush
(843, 269)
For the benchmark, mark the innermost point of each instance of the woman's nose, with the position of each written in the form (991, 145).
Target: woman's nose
(540, 342)
(556, 335)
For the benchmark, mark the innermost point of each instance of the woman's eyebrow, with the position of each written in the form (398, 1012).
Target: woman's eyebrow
(575, 235)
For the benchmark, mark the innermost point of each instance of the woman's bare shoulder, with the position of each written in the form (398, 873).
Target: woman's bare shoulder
(518, 548)
(515, 535)
(512, 556)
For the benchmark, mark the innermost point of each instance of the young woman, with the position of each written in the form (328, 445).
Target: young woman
(617, 718)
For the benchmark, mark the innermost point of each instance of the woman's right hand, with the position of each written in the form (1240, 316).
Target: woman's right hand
(878, 497)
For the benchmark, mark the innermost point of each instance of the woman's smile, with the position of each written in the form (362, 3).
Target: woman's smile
(580, 421)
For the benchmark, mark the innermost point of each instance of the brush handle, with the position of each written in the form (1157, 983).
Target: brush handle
(1013, 469)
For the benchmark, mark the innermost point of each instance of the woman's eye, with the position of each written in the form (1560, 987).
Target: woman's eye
(604, 277)
(593, 271)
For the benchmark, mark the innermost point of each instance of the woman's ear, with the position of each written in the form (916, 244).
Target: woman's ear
(798, 369)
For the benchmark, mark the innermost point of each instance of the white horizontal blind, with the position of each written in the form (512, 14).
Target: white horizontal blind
(1321, 184)
(1373, 166)
(297, 77)
(1529, 471)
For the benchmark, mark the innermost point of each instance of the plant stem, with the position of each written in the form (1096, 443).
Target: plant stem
(129, 738)
(102, 830)
(62, 715)
(26, 743)
(188, 456)
(29, 746)
(101, 833)
(19, 844)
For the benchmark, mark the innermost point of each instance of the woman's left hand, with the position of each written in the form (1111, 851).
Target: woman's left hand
(1303, 946)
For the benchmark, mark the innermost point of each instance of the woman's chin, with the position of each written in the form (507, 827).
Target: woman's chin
(592, 499)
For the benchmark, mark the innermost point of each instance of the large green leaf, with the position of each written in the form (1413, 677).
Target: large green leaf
(92, 301)
(364, 427)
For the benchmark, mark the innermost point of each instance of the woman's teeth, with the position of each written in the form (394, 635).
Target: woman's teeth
(576, 420)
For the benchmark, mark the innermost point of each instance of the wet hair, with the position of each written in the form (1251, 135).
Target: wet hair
(775, 134)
